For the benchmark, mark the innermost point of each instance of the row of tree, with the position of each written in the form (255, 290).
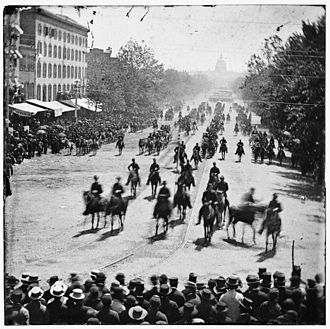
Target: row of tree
(286, 86)
(137, 82)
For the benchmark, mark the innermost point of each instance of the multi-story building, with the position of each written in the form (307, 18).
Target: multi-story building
(54, 54)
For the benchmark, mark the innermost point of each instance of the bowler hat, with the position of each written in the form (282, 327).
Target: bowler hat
(131, 300)
(189, 308)
(190, 284)
(165, 289)
(53, 279)
(33, 278)
(252, 279)
(35, 293)
(100, 277)
(154, 278)
(232, 281)
(106, 299)
(163, 278)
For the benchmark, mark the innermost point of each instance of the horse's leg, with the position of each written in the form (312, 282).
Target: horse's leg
(111, 222)
(266, 242)
(98, 220)
(157, 226)
(254, 233)
(93, 221)
(205, 233)
(243, 233)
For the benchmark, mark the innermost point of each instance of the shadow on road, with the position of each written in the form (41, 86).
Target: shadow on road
(235, 243)
(175, 222)
(160, 236)
(149, 198)
(300, 186)
(109, 234)
(201, 243)
(265, 255)
(84, 232)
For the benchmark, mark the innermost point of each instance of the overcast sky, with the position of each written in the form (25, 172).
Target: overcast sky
(193, 37)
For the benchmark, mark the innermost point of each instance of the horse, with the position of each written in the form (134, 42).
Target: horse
(187, 179)
(134, 179)
(208, 214)
(142, 145)
(162, 210)
(117, 207)
(236, 130)
(223, 150)
(94, 205)
(155, 180)
(120, 144)
(182, 201)
(239, 152)
(220, 209)
(273, 225)
(150, 146)
(195, 157)
(270, 153)
(245, 215)
(158, 145)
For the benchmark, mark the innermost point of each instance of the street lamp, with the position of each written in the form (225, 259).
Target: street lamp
(76, 102)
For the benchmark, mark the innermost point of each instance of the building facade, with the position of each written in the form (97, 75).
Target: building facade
(54, 51)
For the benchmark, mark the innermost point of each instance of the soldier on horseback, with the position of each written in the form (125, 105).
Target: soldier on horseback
(153, 168)
(275, 206)
(210, 197)
(214, 171)
(240, 145)
(117, 189)
(134, 166)
(96, 188)
(223, 187)
(163, 196)
(197, 150)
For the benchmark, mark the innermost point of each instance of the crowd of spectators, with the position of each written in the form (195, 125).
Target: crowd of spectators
(265, 299)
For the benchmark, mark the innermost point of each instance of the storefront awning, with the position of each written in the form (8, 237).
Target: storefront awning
(57, 108)
(25, 109)
(86, 104)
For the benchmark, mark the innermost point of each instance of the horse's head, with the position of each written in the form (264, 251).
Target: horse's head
(87, 196)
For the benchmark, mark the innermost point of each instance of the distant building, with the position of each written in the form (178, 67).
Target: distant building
(54, 51)
(220, 77)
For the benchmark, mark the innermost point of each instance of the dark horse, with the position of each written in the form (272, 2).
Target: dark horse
(182, 200)
(273, 225)
(155, 180)
(117, 207)
(187, 179)
(94, 205)
(244, 215)
(162, 210)
(134, 179)
(208, 214)
(223, 150)
(120, 144)
(196, 158)
(239, 152)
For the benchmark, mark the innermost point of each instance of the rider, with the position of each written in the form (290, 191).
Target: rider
(214, 170)
(209, 196)
(197, 149)
(163, 194)
(195, 125)
(96, 188)
(247, 199)
(153, 168)
(188, 170)
(236, 127)
(239, 144)
(134, 166)
(119, 141)
(275, 205)
(117, 188)
(223, 141)
(222, 186)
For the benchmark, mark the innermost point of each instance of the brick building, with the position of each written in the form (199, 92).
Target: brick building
(54, 51)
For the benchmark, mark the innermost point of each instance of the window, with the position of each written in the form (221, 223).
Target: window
(63, 87)
(22, 65)
(68, 87)
(79, 41)
(79, 72)
(45, 49)
(75, 72)
(49, 93)
(76, 55)
(68, 71)
(55, 51)
(72, 54)
(54, 70)
(79, 56)
(50, 50)
(38, 69)
(68, 38)
(44, 93)
(49, 70)
(59, 88)
(59, 52)
(39, 29)
(59, 71)
(39, 48)
(76, 40)
(64, 71)
(72, 71)
(64, 53)
(72, 39)
(55, 34)
(72, 87)
(60, 35)
(38, 92)
(44, 70)
(64, 36)
(45, 30)
(68, 54)
(54, 92)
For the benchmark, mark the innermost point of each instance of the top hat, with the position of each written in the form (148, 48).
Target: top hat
(296, 270)
(137, 313)
(261, 271)
(201, 285)
(165, 289)
(206, 294)
(232, 281)
(35, 293)
(190, 284)
(192, 277)
(174, 281)
(77, 294)
(266, 279)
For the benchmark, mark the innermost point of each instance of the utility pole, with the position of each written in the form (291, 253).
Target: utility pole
(76, 102)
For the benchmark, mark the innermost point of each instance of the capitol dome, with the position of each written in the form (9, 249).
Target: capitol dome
(221, 65)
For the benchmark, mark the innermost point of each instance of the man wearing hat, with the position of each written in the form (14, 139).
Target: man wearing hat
(96, 188)
(232, 297)
(137, 315)
(56, 305)
(38, 312)
(154, 289)
(188, 311)
(274, 205)
(106, 315)
(221, 314)
(220, 287)
(47, 295)
(167, 306)
(130, 302)
(223, 187)
(24, 286)
(15, 313)
(206, 311)
(266, 282)
(176, 295)
(270, 310)
(139, 292)
(154, 314)
(190, 293)
(93, 298)
(118, 300)
(246, 309)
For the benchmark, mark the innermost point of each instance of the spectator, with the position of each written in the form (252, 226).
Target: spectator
(154, 313)
(246, 309)
(188, 311)
(137, 315)
(130, 302)
(176, 295)
(190, 293)
(93, 299)
(39, 314)
(154, 290)
(270, 310)
(15, 313)
(77, 312)
(206, 311)
(221, 314)
(106, 315)
(56, 305)
(47, 295)
(168, 307)
(220, 287)
(118, 300)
